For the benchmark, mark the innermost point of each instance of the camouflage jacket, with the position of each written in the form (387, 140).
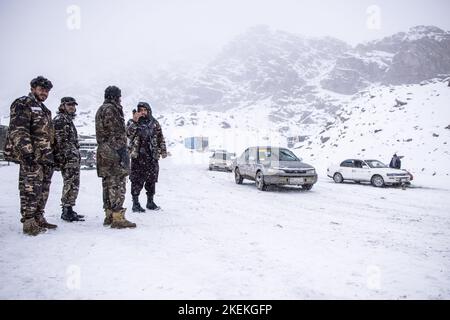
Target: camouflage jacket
(30, 131)
(146, 139)
(67, 148)
(112, 153)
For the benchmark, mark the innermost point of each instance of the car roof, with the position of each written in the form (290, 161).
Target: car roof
(267, 147)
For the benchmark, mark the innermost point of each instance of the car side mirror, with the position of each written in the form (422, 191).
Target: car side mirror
(365, 167)
(300, 158)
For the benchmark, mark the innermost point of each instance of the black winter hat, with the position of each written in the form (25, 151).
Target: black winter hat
(68, 100)
(41, 82)
(112, 92)
(144, 105)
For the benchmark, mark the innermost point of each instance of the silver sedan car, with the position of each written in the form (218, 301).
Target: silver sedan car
(221, 160)
(273, 166)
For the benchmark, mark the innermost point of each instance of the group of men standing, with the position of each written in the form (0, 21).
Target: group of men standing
(42, 145)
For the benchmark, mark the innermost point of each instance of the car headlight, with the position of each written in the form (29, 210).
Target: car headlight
(311, 171)
(274, 170)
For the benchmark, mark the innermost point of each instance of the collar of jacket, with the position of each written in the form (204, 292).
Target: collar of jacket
(65, 114)
(33, 97)
(114, 102)
(40, 104)
(145, 120)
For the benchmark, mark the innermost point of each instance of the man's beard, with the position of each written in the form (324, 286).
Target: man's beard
(72, 114)
(40, 98)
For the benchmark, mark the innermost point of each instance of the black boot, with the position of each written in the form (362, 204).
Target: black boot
(150, 204)
(69, 215)
(79, 216)
(136, 205)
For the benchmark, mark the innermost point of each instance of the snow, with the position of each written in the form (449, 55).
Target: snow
(218, 240)
(214, 239)
(376, 128)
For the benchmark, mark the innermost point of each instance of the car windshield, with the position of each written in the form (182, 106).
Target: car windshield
(224, 156)
(375, 164)
(275, 154)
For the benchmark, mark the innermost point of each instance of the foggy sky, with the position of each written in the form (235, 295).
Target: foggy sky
(120, 36)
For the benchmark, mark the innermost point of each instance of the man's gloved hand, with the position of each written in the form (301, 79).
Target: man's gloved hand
(28, 159)
(124, 157)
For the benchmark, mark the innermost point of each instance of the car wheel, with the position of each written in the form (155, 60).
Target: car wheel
(307, 186)
(237, 176)
(210, 168)
(338, 178)
(377, 181)
(259, 181)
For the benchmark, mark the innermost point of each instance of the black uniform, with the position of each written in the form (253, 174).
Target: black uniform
(147, 146)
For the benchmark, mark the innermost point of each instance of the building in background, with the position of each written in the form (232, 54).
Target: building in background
(88, 149)
(197, 143)
(3, 133)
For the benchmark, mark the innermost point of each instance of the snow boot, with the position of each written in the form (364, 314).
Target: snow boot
(108, 217)
(119, 221)
(150, 204)
(32, 228)
(79, 216)
(42, 222)
(136, 205)
(69, 215)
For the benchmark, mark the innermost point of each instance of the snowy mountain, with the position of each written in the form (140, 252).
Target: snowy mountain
(262, 64)
(412, 120)
(406, 57)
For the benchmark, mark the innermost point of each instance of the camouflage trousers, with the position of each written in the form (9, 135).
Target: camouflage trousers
(114, 188)
(71, 178)
(34, 187)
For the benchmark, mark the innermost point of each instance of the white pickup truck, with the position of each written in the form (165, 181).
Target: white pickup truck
(373, 171)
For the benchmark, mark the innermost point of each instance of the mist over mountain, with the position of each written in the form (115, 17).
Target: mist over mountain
(287, 69)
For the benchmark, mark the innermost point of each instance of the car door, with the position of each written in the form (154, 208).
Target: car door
(346, 169)
(252, 161)
(243, 163)
(360, 171)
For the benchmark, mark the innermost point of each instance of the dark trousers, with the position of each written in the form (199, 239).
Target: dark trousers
(144, 174)
(137, 185)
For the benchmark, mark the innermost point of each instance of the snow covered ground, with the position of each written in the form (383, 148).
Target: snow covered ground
(218, 240)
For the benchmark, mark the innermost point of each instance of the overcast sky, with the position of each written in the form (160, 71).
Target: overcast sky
(49, 37)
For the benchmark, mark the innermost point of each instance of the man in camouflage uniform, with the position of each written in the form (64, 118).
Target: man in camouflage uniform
(113, 161)
(147, 146)
(67, 157)
(30, 143)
